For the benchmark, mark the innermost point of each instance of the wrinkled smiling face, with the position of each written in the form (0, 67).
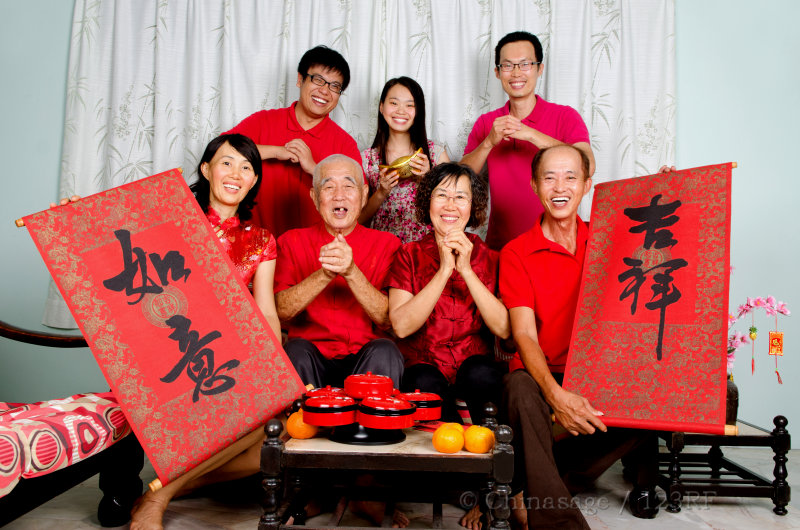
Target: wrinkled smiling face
(451, 205)
(340, 197)
(560, 184)
(230, 176)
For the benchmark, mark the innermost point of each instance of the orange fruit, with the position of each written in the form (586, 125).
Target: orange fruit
(454, 426)
(448, 440)
(478, 439)
(297, 428)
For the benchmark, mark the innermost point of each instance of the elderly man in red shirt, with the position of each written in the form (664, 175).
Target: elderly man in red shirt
(327, 284)
(540, 274)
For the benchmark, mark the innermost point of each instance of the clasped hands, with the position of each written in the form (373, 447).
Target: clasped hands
(298, 152)
(337, 257)
(507, 127)
(455, 251)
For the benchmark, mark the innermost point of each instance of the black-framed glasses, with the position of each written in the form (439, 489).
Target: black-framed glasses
(524, 66)
(335, 86)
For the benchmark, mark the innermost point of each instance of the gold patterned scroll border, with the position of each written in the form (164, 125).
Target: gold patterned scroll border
(133, 207)
(598, 341)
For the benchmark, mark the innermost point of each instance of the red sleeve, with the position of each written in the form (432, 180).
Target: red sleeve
(476, 136)
(515, 284)
(252, 126)
(390, 249)
(272, 249)
(285, 267)
(401, 273)
(574, 129)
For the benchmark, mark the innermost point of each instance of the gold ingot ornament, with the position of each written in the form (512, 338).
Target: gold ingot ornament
(402, 165)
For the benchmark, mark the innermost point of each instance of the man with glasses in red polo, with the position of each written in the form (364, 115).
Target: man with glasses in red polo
(292, 140)
(506, 139)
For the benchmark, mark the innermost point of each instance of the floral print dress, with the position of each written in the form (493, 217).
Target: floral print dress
(397, 213)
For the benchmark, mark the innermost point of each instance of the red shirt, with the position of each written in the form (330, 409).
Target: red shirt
(541, 274)
(334, 321)
(283, 201)
(455, 330)
(246, 244)
(515, 207)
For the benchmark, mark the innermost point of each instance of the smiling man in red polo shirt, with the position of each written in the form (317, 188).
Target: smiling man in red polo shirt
(540, 275)
(327, 282)
(292, 140)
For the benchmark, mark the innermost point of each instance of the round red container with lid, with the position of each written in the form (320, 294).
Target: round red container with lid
(324, 391)
(359, 386)
(429, 405)
(385, 412)
(329, 411)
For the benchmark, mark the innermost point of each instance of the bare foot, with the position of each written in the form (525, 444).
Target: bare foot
(374, 510)
(472, 519)
(519, 515)
(148, 512)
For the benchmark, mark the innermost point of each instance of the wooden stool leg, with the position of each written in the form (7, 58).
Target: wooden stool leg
(503, 473)
(271, 472)
(781, 446)
(674, 496)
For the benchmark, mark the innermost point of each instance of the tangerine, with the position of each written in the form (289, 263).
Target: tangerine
(299, 429)
(454, 425)
(478, 439)
(448, 440)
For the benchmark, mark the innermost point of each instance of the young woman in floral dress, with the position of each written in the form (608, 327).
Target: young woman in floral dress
(401, 132)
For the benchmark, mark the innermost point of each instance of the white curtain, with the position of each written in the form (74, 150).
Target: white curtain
(150, 82)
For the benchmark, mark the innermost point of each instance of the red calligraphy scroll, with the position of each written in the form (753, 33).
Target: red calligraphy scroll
(179, 338)
(648, 345)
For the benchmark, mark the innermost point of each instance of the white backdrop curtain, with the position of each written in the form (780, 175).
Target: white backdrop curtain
(150, 82)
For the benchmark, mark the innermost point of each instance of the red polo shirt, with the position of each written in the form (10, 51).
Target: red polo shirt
(283, 202)
(334, 321)
(455, 330)
(541, 274)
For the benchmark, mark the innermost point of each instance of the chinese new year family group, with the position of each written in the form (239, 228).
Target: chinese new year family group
(364, 262)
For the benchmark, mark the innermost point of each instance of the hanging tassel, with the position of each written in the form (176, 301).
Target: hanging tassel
(753, 366)
(780, 382)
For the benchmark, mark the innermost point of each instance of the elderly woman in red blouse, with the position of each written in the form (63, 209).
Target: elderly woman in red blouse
(443, 300)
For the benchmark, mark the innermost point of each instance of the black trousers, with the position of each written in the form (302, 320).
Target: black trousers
(379, 356)
(479, 380)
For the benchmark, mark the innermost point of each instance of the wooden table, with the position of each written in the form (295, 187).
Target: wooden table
(410, 470)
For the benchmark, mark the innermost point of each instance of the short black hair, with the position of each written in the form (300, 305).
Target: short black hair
(443, 173)
(247, 148)
(517, 36)
(327, 58)
(537, 161)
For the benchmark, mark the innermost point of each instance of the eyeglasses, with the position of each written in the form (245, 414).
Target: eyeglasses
(524, 66)
(459, 200)
(318, 80)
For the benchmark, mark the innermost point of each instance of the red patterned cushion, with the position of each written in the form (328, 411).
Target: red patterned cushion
(39, 438)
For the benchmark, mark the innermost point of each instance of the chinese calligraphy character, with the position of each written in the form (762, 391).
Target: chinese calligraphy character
(198, 361)
(654, 219)
(661, 287)
(135, 260)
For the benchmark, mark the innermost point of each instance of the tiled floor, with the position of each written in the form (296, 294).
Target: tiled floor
(604, 507)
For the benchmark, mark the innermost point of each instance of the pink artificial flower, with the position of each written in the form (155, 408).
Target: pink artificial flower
(731, 359)
(744, 309)
(771, 301)
(736, 340)
(731, 320)
(756, 302)
(781, 308)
